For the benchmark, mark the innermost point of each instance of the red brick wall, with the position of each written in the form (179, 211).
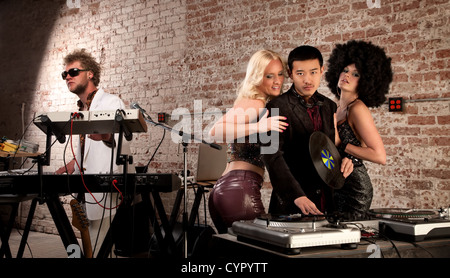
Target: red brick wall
(222, 36)
(166, 54)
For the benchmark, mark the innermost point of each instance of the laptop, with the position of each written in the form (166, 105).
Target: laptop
(211, 164)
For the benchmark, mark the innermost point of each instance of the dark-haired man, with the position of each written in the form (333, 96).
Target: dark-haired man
(297, 188)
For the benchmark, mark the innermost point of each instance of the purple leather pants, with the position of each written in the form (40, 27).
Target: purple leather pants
(235, 196)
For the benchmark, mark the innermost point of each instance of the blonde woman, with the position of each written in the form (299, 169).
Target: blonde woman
(236, 195)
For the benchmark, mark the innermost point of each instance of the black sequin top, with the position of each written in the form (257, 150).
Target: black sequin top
(347, 135)
(246, 151)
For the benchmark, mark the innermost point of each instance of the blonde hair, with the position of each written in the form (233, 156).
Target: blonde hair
(255, 74)
(87, 61)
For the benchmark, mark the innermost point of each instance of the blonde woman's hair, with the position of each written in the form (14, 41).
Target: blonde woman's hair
(255, 74)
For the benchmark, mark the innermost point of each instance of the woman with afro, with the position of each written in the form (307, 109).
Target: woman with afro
(359, 74)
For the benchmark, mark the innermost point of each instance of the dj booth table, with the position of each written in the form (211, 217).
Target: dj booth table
(228, 246)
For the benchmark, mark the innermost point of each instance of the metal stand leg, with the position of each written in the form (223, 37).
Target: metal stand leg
(61, 221)
(5, 250)
(26, 231)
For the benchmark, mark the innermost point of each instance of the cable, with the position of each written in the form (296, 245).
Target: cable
(34, 163)
(23, 135)
(20, 141)
(67, 171)
(104, 195)
(21, 235)
(82, 177)
(423, 248)
(204, 207)
(372, 236)
(383, 235)
(153, 155)
(65, 164)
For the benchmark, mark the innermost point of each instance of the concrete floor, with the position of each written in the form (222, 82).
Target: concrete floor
(40, 245)
(45, 253)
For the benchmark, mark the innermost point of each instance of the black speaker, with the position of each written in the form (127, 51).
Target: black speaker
(131, 230)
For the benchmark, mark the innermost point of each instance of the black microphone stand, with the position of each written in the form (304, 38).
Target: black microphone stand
(185, 139)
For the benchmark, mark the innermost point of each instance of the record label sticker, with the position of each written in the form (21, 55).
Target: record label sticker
(328, 159)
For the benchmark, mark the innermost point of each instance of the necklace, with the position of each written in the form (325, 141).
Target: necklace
(348, 104)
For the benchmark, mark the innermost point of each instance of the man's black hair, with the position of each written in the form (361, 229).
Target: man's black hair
(303, 53)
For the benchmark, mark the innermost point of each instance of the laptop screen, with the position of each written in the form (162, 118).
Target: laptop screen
(211, 162)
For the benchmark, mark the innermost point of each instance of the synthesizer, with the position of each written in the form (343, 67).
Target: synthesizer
(67, 184)
(91, 122)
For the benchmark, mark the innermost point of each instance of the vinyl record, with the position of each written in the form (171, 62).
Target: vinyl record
(292, 221)
(326, 159)
(396, 213)
(290, 217)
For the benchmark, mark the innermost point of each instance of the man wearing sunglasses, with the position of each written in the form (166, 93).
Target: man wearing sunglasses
(94, 153)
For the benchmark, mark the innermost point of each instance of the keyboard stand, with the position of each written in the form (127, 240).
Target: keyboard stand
(59, 218)
(5, 232)
(166, 242)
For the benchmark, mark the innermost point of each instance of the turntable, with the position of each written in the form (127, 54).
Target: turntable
(290, 233)
(413, 224)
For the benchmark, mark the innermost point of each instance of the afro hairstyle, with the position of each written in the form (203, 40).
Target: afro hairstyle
(372, 64)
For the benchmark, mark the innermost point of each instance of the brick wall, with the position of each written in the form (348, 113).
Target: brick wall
(179, 54)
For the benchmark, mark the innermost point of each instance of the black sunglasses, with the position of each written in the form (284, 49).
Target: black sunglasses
(72, 72)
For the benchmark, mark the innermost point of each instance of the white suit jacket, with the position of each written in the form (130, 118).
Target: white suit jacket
(97, 158)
